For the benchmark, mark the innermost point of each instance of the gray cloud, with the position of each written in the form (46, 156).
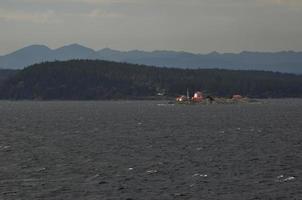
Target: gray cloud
(47, 17)
(191, 25)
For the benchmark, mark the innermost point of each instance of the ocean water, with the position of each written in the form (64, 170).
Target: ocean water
(150, 150)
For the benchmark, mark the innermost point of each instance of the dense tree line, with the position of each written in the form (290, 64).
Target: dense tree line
(87, 79)
(6, 74)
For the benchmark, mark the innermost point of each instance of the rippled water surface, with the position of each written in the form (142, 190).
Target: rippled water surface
(150, 150)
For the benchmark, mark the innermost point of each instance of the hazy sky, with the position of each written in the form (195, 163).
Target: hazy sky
(182, 25)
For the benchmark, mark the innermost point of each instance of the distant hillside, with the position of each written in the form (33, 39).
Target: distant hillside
(85, 80)
(287, 61)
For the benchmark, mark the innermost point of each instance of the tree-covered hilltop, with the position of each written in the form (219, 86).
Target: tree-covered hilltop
(87, 79)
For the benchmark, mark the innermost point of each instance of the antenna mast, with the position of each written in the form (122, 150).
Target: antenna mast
(188, 95)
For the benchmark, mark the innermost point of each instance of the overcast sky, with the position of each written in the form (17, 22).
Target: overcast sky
(183, 25)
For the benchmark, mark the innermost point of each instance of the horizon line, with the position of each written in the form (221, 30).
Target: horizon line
(150, 51)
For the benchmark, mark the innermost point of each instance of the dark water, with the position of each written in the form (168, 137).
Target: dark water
(149, 150)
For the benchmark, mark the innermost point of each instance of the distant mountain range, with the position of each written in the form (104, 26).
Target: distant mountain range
(285, 61)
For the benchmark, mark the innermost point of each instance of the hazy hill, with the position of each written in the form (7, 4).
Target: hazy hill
(287, 61)
(86, 79)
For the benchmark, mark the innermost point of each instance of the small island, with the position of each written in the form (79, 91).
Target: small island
(103, 80)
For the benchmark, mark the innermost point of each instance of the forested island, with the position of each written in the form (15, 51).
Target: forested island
(96, 80)
(6, 74)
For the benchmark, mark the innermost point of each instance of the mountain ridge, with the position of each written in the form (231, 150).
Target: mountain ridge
(283, 61)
